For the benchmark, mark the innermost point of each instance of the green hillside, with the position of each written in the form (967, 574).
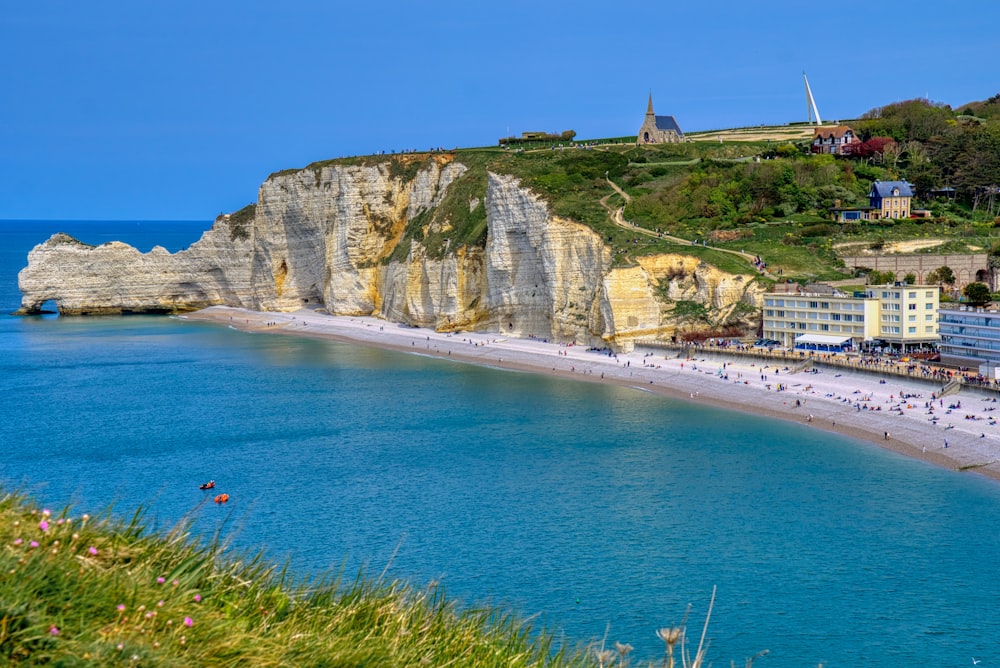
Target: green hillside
(754, 190)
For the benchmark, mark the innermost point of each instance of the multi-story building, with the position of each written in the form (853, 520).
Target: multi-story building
(821, 321)
(898, 316)
(970, 336)
(891, 199)
(908, 315)
(886, 199)
(836, 139)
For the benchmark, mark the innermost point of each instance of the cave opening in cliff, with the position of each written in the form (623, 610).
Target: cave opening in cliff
(48, 307)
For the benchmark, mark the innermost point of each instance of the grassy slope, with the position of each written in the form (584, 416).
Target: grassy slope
(663, 181)
(79, 591)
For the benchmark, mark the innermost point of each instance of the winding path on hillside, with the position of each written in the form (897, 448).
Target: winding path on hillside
(618, 217)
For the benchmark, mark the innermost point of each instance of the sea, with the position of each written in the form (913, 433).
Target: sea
(600, 514)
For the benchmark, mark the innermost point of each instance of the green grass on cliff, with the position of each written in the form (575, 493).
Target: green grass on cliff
(769, 198)
(84, 591)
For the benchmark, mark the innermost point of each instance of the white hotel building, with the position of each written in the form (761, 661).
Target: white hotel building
(898, 316)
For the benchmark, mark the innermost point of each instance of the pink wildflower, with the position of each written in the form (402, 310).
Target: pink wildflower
(53, 630)
(18, 541)
(188, 621)
(92, 551)
(43, 525)
(121, 607)
(197, 598)
(159, 604)
(176, 582)
(160, 580)
(46, 512)
(33, 543)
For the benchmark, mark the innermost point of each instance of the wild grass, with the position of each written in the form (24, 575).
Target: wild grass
(77, 590)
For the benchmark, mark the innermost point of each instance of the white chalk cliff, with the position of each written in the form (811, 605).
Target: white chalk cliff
(342, 237)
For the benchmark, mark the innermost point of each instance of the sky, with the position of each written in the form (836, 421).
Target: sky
(133, 110)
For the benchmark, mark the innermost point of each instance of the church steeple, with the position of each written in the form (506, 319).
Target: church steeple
(649, 105)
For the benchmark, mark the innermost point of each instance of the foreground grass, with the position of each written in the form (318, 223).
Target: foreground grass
(78, 591)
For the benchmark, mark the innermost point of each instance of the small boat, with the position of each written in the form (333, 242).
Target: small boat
(207, 485)
(222, 498)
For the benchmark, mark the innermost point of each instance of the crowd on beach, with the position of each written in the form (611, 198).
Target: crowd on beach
(872, 361)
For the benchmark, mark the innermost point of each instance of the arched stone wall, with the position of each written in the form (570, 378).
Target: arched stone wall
(968, 268)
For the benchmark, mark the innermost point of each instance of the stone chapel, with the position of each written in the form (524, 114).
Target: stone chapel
(659, 129)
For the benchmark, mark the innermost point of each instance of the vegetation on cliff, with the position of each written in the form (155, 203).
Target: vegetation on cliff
(82, 591)
(98, 591)
(768, 197)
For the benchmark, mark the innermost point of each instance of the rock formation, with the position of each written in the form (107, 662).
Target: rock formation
(351, 239)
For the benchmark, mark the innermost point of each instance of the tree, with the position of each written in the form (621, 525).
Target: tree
(910, 278)
(977, 293)
(881, 277)
(942, 275)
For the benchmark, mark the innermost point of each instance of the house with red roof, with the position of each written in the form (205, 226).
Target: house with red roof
(835, 139)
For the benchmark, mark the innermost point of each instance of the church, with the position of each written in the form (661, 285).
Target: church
(659, 129)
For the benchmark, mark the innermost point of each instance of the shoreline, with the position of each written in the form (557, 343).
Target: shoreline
(964, 438)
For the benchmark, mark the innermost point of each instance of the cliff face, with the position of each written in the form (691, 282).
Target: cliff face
(116, 278)
(334, 236)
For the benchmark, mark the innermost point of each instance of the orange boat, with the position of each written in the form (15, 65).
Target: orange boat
(208, 485)
(222, 498)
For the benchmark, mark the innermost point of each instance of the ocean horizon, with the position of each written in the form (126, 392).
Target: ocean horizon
(595, 510)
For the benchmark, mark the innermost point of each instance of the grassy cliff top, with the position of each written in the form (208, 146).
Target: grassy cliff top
(753, 190)
(83, 591)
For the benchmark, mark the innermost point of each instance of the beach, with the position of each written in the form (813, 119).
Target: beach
(958, 432)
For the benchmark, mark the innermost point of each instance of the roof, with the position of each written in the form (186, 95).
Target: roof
(884, 189)
(820, 289)
(837, 131)
(668, 123)
(822, 338)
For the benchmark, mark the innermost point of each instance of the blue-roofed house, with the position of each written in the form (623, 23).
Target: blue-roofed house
(891, 198)
(659, 129)
(886, 199)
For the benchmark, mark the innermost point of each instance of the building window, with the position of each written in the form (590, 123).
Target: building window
(929, 307)
(911, 330)
(913, 295)
(912, 307)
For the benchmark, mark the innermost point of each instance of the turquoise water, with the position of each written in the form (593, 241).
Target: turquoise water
(588, 506)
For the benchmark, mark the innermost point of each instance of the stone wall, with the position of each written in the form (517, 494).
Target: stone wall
(968, 267)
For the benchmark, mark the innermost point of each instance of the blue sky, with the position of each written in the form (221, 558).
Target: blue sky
(179, 110)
